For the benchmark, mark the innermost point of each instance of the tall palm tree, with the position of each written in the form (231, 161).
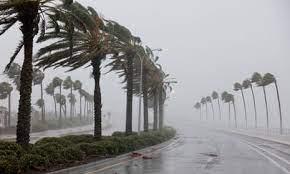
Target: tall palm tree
(5, 92)
(57, 82)
(268, 79)
(38, 77)
(232, 99)
(14, 74)
(155, 110)
(72, 101)
(203, 102)
(50, 91)
(78, 86)
(62, 102)
(246, 85)
(239, 87)
(85, 41)
(198, 107)
(208, 100)
(215, 96)
(28, 13)
(68, 84)
(258, 80)
(226, 99)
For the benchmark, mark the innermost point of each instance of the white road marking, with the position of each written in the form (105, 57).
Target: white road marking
(255, 148)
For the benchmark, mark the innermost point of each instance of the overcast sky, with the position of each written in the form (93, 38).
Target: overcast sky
(207, 45)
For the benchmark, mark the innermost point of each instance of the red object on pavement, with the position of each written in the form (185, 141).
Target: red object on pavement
(135, 154)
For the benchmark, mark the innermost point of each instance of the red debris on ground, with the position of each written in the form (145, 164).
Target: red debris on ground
(135, 154)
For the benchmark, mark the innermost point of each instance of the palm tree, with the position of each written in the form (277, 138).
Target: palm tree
(198, 106)
(208, 100)
(267, 80)
(84, 41)
(40, 103)
(203, 102)
(72, 101)
(28, 13)
(14, 74)
(5, 92)
(38, 77)
(258, 80)
(62, 102)
(248, 84)
(57, 82)
(239, 87)
(215, 96)
(78, 86)
(50, 91)
(232, 99)
(226, 99)
(68, 84)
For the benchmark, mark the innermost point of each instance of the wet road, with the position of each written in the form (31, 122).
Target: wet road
(204, 151)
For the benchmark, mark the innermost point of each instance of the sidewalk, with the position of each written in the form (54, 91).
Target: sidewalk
(271, 135)
(88, 129)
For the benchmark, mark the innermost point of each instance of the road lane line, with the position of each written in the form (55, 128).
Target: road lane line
(255, 148)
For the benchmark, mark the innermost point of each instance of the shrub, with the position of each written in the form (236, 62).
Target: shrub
(10, 146)
(60, 141)
(9, 165)
(89, 149)
(79, 138)
(73, 153)
(33, 161)
(49, 151)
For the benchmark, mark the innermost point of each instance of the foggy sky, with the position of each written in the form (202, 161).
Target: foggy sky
(207, 45)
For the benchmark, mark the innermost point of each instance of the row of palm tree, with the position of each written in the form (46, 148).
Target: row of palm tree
(75, 36)
(259, 81)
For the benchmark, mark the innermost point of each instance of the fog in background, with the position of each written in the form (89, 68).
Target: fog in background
(207, 45)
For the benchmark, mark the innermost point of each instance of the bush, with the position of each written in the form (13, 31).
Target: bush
(9, 165)
(73, 153)
(49, 151)
(79, 138)
(58, 152)
(60, 141)
(33, 161)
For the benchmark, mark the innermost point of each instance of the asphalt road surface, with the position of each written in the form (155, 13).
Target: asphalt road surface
(202, 151)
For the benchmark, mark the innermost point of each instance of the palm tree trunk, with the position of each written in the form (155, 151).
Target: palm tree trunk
(229, 114)
(85, 105)
(161, 109)
(42, 108)
(96, 63)
(145, 100)
(220, 114)
(235, 112)
(80, 106)
(280, 110)
(266, 104)
(129, 95)
(255, 108)
(206, 111)
(245, 108)
(60, 115)
(71, 106)
(200, 113)
(55, 112)
(9, 110)
(155, 108)
(27, 18)
(212, 110)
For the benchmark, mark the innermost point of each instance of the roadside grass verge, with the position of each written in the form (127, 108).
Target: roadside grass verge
(56, 153)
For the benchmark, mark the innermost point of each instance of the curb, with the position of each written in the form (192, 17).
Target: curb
(107, 163)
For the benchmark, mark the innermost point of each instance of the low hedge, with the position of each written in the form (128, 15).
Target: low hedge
(60, 152)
